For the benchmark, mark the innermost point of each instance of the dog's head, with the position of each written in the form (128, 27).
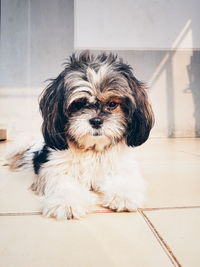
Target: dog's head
(95, 103)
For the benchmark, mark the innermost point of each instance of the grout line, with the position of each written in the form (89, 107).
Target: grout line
(40, 213)
(96, 211)
(161, 241)
(170, 208)
(20, 213)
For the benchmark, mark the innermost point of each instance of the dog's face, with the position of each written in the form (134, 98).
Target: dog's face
(97, 107)
(95, 103)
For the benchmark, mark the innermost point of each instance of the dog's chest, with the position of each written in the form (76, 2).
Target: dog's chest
(91, 169)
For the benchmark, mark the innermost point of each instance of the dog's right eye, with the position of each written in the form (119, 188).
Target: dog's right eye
(78, 104)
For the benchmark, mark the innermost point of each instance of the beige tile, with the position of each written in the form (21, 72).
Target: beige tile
(172, 175)
(160, 150)
(20, 114)
(187, 145)
(97, 240)
(15, 195)
(180, 230)
(172, 184)
(168, 147)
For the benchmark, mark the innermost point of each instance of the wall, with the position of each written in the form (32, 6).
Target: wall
(138, 24)
(161, 40)
(36, 37)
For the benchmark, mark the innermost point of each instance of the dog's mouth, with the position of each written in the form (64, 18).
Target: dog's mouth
(97, 133)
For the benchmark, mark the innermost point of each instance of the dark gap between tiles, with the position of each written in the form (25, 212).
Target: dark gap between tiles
(20, 213)
(170, 208)
(161, 241)
(97, 211)
(40, 213)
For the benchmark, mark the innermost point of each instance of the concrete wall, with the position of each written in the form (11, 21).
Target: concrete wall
(138, 24)
(36, 37)
(159, 38)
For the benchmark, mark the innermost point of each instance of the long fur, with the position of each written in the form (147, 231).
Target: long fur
(94, 113)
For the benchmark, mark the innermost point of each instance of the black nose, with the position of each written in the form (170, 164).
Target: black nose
(96, 122)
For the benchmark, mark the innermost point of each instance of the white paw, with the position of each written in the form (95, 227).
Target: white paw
(64, 211)
(123, 203)
(70, 207)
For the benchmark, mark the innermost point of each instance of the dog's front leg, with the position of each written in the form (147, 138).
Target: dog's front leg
(123, 192)
(66, 198)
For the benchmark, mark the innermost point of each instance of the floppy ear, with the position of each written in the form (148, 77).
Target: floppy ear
(54, 119)
(142, 119)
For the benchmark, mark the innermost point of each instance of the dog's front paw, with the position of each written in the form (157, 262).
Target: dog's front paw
(69, 206)
(123, 202)
(64, 211)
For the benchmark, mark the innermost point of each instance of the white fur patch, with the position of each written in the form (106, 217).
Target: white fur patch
(95, 78)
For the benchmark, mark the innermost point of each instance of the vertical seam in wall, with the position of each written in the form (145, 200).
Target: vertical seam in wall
(75, 26)
(161, 241)
(29, 46)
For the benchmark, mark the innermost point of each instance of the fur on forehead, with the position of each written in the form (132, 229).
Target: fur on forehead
(97, 78)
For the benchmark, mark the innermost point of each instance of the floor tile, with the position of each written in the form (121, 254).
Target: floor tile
(15, 195)
(172, 175)
(22, 116)
(172, 184)
(160, 151)
(187, 145)
(180, 230)
(97, 240)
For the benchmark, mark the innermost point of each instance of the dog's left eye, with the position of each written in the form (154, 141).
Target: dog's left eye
(112, 105)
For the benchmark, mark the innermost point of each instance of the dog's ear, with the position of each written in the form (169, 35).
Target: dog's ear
(54, 118)
(141, 119)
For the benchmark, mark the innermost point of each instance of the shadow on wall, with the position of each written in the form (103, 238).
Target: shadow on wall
(194, 87)
(193, 71)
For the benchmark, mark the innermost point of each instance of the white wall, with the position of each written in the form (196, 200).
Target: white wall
(138, 24)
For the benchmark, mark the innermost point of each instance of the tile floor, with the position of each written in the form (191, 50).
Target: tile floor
(166, 232)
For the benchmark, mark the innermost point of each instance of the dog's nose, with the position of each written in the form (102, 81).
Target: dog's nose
(96, 122)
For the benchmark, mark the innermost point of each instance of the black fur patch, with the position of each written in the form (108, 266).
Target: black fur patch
(77, 105)
(54, 119)
(39, 158)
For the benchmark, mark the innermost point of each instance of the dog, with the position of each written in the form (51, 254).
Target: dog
(94, 114)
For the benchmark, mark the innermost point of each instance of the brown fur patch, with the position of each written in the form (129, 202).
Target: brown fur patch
(16, 161)
(107, 96)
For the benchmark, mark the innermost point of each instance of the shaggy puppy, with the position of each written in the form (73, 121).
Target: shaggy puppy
(94, 113)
